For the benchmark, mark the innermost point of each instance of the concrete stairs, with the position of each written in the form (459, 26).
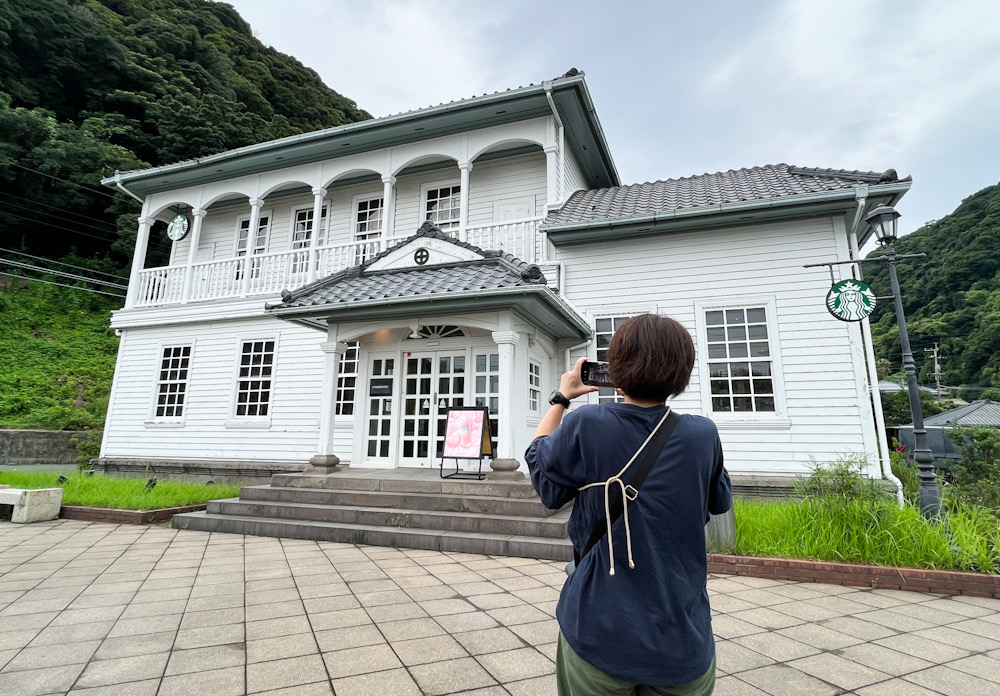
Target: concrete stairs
(397, 507)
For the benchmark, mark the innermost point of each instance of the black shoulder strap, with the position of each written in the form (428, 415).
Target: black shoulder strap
(650, 455)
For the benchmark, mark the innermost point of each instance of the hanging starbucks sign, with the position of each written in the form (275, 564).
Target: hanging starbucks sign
(850, 300)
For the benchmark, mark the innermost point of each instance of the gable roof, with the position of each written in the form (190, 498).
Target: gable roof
(768, 186)
(983, 412)
(495, 280)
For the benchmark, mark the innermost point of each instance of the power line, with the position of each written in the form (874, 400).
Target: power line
(63, 285)
(62, 218)
(71, 276)
(62, 211)
(62, 263)
(56, 227)
(86, 188)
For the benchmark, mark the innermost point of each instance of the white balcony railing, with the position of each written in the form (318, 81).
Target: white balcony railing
(269, 274)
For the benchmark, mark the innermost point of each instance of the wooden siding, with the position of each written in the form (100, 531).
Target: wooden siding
(204, 434)
(512, 179)
(821, 417)
(574, 180)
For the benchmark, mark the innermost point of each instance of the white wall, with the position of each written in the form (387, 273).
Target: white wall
(574, 179)
(293, 432)
(821, 416)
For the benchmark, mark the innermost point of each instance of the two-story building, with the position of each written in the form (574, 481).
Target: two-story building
(332, 293)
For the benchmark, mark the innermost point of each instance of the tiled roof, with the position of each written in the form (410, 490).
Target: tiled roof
(495, 271)
(984, 412)
(772, 181)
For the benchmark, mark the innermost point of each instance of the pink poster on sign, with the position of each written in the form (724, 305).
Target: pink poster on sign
(464, 435)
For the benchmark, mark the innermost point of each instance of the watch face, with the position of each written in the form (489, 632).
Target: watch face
(177, 228)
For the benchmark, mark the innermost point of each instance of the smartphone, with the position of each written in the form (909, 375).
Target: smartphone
(596, 374)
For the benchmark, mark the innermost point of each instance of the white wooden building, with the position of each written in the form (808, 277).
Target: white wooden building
(270, 339)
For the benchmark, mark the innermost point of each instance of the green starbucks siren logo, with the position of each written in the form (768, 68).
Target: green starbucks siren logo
(850, 300)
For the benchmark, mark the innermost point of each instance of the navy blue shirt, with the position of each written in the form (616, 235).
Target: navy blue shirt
(651, 624)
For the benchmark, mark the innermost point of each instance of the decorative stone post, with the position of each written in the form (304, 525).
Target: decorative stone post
(326, 462)
(505, 465)
(138, 261)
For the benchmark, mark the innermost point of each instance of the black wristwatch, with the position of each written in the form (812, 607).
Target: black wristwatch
(556, 397)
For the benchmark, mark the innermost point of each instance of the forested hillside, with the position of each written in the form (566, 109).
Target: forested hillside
(90, 86)
(951, 297)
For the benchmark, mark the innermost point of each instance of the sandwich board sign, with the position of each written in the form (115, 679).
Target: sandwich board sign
(467, 436)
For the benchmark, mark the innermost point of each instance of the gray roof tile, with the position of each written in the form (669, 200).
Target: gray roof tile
(707, 191)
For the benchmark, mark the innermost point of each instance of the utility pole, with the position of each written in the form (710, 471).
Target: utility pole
(937, 370)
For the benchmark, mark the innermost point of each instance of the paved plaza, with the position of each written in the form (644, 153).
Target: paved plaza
(89, 608)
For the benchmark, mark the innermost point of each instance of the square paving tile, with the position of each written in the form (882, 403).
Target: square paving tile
(418, 651)
(781, 680)
(452, 676)
(123, 669)
(130, 646)
(297, 645)
(202, 659)
(393, 682)
(50, 680)
(513, 665)
(838, 671)
(777, 647)
(951, 682)
(279, 674)
(353, 661)
(217, 682)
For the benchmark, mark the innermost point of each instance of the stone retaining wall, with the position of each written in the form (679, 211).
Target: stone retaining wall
(50, 448)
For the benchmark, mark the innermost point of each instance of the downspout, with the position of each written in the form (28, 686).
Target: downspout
(118, 183)
(885, 462)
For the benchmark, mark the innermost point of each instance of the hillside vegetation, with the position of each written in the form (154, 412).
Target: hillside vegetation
(951, 297)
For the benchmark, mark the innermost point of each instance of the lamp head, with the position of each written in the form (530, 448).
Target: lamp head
(883, 221)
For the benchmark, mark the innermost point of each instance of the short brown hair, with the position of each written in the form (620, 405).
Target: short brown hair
(651, 357)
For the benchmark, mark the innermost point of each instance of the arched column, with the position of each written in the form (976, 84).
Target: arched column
(463, 196)
(255, 205)
(388, 210)
(318, 195)
(505, 465)
(199, 216)
(138, 261)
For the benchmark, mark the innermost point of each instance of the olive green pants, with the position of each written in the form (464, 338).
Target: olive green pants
(577, 677)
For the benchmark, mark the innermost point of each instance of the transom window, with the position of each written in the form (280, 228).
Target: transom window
(739, 355)
(347, 380)
(302, 229)
(534, 386)
(443, 206)
(437, 331)
(171, 386)
(259, 245)
(253, 396)
(605, 328)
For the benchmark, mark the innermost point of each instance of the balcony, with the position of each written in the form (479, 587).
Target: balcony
(269, 274)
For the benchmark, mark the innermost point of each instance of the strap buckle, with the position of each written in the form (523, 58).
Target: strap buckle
(631, 492)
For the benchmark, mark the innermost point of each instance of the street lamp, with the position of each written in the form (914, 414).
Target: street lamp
(883, 222)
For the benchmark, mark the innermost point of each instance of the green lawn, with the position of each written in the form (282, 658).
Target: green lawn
(98, 490)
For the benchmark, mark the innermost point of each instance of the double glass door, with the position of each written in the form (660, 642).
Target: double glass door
(431, 383)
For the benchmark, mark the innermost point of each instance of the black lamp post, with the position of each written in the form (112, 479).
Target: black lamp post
(883, 221)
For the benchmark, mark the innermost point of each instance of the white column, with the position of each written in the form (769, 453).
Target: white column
(138, 261)
(463, 198)
(333, 350)
(255, 205)
(199, 216)
(318, 195)
(388, 209)
(506, 341)
(551, 176)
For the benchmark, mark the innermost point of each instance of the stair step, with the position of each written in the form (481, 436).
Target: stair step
(361, 482)
(437, 502)
(437, 540)
(550, 527)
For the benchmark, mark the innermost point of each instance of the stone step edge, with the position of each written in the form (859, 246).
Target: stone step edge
(558, 518)
(437, 540)
(470, 487)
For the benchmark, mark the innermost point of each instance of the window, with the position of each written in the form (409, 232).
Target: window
(604, 329)
(740, 363)
(368, 219)
(347, 380)
(259, 239)
(534, 386)
(443, 206)
(171, 386)
(488, 390)
(253, 395)
(303, 226)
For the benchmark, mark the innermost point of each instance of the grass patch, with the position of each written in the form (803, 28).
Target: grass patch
(98, 490)
(875, 532)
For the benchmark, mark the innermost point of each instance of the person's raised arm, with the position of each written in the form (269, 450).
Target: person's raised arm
(570, 386)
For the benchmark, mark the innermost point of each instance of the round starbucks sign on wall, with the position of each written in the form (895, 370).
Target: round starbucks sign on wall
(850, 300)
(177, 228)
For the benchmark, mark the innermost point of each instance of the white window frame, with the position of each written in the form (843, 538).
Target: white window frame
(355, 209)
(534, 385)
(267, 234)
(618, 313)
(234, 420)
(743, 419)
(310, 239)
(435, 185)
(353, 348)
(170, 421)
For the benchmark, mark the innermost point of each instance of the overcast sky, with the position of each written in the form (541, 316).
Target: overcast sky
(685, 88)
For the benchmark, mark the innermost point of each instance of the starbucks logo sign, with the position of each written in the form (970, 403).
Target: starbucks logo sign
(850, 300)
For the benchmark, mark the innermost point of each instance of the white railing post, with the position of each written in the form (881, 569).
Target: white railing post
(199, 215)
(463, 200)
(138, 261)
(318, 195)
(255, 205)
(388, 206)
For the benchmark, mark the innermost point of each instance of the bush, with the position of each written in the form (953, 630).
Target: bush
(843, 479)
